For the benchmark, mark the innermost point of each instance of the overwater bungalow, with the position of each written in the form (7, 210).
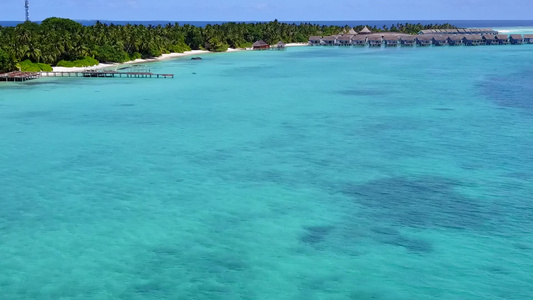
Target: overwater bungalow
(489, 31)
(374, 41)
(440, 40)
(279, 46)
(315, 40)
(455, 40)
(365, 31)
(528, 38)
(260, 45)
(472, 40)
(345, 40)
(407, 41)
(329, 40)
(516, 39)
(359, 40)
(503, 39)
(490, 39)
(390, 40)
(424, 40)
(450, 31)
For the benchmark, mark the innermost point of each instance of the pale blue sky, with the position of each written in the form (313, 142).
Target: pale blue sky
(263, 10)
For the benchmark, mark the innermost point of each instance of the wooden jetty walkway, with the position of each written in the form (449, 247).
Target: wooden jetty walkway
(24, 76)
(104, 73)
(19, 76)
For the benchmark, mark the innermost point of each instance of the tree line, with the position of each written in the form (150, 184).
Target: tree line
(57, 41)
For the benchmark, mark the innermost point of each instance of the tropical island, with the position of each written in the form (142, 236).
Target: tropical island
(35, 47)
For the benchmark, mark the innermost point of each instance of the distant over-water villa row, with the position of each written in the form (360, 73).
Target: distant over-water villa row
(436, 37)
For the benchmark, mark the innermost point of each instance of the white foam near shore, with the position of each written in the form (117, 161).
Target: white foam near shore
(160, 58)
(515, 30)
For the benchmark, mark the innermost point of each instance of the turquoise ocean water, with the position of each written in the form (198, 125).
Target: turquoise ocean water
(311, 173)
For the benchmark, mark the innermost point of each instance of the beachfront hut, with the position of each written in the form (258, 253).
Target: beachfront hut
(279, 46)
(472, 40)
(528, 38)
(439, 40)
(503, 39)
(329, 40)
(424, 40)
(345, 40)
(455, 40)
(516, 39)
(374, 41)
(490, 39)
(359, 40)
(407, 41)
(260, 45)
(365, 31)
(315, 40)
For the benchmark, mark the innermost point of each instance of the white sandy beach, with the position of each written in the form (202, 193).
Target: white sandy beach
(160, 58)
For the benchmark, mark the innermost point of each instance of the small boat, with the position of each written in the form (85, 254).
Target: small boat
(196, 58)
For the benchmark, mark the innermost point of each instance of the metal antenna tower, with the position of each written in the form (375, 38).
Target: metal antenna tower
(27, 6)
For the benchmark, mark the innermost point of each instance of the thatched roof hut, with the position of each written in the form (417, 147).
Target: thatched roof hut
(473, 37)
(490, 39)
(516, 39)
(259, 45)
(365, 31)
(347, 37)
(330, 40)
(407, 37)
(315, 40)
(425, 37)
(280, 45)
(502, 38)
(374, 38)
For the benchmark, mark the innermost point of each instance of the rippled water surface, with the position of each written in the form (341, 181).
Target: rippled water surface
(311, 173)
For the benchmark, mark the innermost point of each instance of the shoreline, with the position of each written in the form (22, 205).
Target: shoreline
(156, 59)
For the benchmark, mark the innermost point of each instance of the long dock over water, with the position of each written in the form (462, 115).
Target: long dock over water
(24, 76)
(103, 73)
(19, 76)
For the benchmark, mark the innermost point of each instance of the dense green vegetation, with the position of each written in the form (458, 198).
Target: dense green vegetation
(28, 66)
(85, 62)
(62, 41)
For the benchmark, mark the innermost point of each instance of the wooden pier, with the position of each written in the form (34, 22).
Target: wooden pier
(24, 76)
(105, 73)
(19, 76)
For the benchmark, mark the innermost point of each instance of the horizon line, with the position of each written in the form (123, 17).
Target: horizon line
(162, 20)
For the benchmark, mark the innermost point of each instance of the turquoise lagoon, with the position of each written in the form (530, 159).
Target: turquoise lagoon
(311, 173)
